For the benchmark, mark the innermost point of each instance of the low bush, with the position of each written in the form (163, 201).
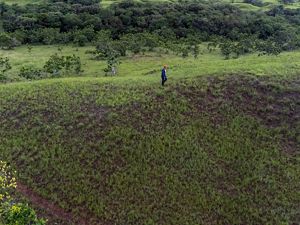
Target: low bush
(19, 214)
(31, 73)
(12, 213)
(59, 65)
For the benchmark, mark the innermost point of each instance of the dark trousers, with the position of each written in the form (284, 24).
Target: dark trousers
(163, 81)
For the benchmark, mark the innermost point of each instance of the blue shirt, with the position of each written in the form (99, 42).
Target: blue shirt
(163, 73)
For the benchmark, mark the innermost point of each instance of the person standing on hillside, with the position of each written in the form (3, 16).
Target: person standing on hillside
(164, 75)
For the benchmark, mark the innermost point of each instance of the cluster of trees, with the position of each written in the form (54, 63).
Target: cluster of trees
(288, 1)
(252, 44)
(56, 66)
(109, 49)
(258, 3)
(79, 22)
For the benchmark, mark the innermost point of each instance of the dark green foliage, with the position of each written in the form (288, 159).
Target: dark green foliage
(248, 45)
(80, 22)
(137, 42)
(184, 51)
(72, 64)
(80, 40)
(54, 65)
(110, 51)
(255, 2)
(4, 67)
(226, 48)
(84, 36)
(29, 48)
(103, 50)
(112, 62)
(31, 73)
(195, 51)
(7, 42)
(58, 65)
(288, 1)
(19, 214)
(269, 47)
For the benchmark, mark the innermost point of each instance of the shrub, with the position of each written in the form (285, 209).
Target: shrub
(59, 65)
(30, 72)
(19, 214)
(112, 62)
(4, 67)
(7, 182)
(7, 42)
(14, 213)
(54, 65)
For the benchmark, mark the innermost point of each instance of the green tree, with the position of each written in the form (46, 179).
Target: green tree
(112, 61)
(29, 49)
(268, 47)
(4, 67)
(184, 51)
(31, 73)
(195, 51)
(7, 42)
(226, 48)
(54, 65)
(80, 39)
(62, 65)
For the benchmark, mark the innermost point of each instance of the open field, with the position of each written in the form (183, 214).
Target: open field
(147, 67)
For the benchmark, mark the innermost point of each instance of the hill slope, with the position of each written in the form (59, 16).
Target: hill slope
(215, 150)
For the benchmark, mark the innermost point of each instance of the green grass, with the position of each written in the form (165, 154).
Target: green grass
(147, 67)
(211, 150)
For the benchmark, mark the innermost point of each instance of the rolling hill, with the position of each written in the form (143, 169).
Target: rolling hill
(203, 150)
(217, 145)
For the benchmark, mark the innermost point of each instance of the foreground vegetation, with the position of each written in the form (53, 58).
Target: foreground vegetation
(212, 150)
(11, 212)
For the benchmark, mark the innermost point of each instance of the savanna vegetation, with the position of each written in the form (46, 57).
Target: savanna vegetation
(219, 144)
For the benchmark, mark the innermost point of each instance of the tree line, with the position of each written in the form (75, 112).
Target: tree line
(70, 21)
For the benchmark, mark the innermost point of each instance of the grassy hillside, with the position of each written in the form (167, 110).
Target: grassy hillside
(210, 150)
(219, 144)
